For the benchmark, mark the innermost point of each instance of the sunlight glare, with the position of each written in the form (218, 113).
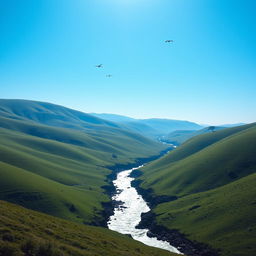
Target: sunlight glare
(130, 3)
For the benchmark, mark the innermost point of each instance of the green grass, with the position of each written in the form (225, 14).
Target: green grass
(224, 217)
(50, 114)
(197, 144)
(61, 167)
(213, 176)
(204, 162)
(23, 230)
(36, 192)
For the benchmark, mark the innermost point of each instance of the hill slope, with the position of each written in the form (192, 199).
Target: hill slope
(25, 232)
(50, 114)
(213, 178)
(204, 162)
(61, 171)
(222, 217)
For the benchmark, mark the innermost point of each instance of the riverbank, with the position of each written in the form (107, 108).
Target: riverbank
(109, 190)
(127, 213)
(148, 220)
(177, 239)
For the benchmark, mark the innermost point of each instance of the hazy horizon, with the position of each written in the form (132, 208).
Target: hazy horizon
(137, 117)
(49, 52)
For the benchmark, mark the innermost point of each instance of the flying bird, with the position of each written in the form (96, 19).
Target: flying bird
(169, 41)
(99, 66)
(108, 75)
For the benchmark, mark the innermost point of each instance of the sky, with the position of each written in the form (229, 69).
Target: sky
(49, 50)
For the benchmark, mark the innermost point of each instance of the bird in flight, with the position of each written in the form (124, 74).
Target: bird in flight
(108, 75)
(169, 41)
(99, 66)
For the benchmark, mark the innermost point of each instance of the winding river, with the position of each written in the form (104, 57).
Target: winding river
(127, 213)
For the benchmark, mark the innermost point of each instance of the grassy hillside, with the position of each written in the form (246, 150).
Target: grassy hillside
(61, 171)
(25, 232)
(204, 162)
(224, 217)
(213, 176)
(218, 164)
(50, 114)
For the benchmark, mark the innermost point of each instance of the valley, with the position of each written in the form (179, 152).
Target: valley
(198, 196)
(127, 128)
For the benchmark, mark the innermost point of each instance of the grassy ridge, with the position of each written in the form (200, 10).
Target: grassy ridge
(215, 160)
(213, 176)
(197, 144)
(50, 114)
(23, 230)
(104, 139)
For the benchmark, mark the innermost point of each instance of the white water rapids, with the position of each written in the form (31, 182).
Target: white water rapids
(127, 214)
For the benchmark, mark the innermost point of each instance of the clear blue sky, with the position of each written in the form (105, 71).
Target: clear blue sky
(49, 49)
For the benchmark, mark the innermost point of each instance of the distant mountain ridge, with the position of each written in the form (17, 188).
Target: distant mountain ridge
(152, 127)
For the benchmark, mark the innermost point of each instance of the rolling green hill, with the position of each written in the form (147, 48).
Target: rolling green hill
(194, 148)
(213, 177)
(50, 114)
(25, 232)
(204, 162)
(61, 171)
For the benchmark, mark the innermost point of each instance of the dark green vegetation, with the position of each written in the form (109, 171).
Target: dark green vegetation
(214, 176)
(27, 233)
(54, 159)
(154, 128)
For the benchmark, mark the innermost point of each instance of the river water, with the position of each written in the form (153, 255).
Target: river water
(127, 213)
